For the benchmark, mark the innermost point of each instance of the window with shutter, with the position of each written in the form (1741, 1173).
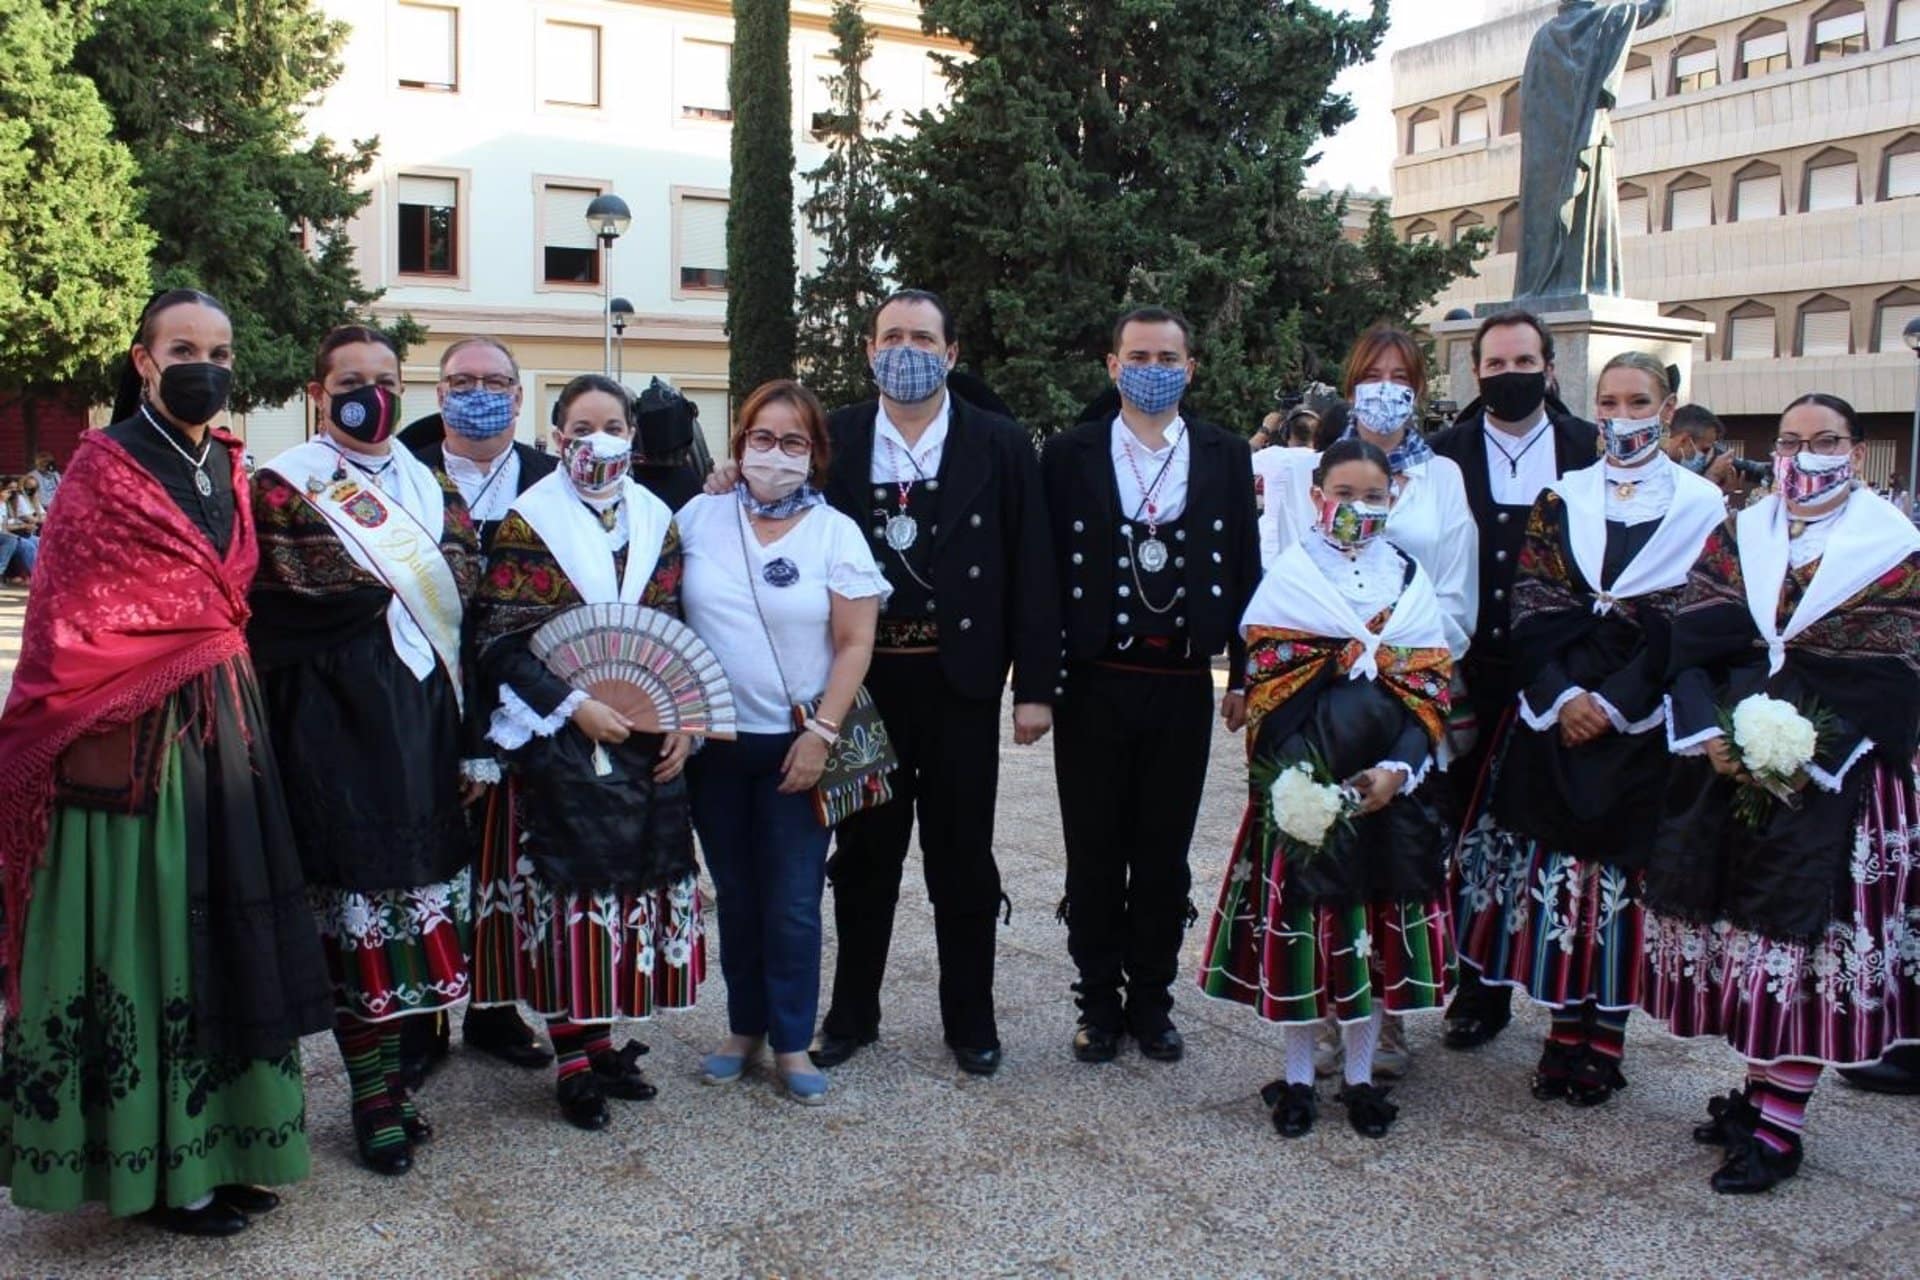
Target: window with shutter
(1633, 215)
(1906, 20)
(702, 73)
(1758, 198)
(1903, 175)
(570, 64)
(568, 246)
(426, 46)
(1825, 333)
(1894, 319)
(703, 243)
(1750, 338)
(1763, 54)
(713, 417)
(1833, 186)
(1426, 135)
(1636, 86)
(1839, 36)
(1690, 207)
(1472, 125)
(1695, 71)
(1422, 232)
(428, 215)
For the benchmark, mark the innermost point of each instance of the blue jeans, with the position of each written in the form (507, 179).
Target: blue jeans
(10, 546)
(767, 854)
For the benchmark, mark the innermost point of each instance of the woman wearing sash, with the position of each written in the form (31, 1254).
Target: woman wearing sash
(367, 560)
(1347, 672)
(1792, 929)
(157, 961)
(588, 910)
(1562, 828)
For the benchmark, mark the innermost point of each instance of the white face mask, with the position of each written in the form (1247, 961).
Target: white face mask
(771, 475)
(1631, 440)
(1383, 408)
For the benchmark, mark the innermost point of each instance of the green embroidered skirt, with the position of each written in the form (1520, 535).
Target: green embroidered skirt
(102, 1096)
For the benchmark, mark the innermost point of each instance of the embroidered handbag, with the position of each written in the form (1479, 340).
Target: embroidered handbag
(859, 769)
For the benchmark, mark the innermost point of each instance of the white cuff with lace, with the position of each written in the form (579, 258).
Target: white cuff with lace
(484, 769)
(1693, 744)
(515, 724)
(1831, 781)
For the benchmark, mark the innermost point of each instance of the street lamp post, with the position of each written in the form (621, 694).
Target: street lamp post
(622, 311)
(608, 218)
(1912, 335)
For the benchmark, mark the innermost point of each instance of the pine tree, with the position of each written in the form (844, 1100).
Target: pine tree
(846, 213)
(1105, 153)
(73, 252)
(209, 95)
(760, 270)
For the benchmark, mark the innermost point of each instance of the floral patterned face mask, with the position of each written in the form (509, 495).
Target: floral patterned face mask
(1352, 525)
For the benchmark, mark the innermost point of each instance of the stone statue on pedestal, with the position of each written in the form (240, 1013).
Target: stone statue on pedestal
(1569, 206)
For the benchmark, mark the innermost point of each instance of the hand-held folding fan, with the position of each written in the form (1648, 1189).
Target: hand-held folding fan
(644, 664)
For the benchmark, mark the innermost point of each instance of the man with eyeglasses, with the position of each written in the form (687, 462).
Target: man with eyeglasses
(480, 396)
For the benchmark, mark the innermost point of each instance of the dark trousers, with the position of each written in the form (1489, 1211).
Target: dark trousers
(1130, 756)
(949, 749)
(767, 854)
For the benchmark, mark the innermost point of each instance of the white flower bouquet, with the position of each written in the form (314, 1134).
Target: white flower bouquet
(1306, 805)
(1773, 742)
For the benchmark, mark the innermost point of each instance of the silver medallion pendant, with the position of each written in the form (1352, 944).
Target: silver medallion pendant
(902, 531)
(202, 483)
(1152, 555)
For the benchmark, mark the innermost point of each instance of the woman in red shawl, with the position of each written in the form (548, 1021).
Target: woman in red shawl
(159, 962)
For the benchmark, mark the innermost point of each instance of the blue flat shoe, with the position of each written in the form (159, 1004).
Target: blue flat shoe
(808, 1088)
(723, 1068)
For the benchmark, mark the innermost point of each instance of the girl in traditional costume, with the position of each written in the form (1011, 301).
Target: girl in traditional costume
(367, 561)
(156, 955)
(588, 910)
(1789, 924)
(1347, 675)
(1563, 824)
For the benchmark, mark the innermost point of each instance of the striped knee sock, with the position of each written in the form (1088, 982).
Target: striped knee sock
(390, 1066)
(569, 1046)
(1783, 1103)
(1607, 1033)
(599, 1039)
(360, 1045)
(1358, 1039)
(1299, 1045)
(1569, 1028)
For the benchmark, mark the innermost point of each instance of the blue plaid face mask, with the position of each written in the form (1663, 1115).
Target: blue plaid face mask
(1153, 388)
(908, 375)
(478, 414)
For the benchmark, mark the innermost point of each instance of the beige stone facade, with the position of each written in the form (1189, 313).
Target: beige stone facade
(1769, 178)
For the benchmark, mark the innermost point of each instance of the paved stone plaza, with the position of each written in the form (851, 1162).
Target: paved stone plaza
(1133, 1169)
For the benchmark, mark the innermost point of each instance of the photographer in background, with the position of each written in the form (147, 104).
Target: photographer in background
(1698, 443)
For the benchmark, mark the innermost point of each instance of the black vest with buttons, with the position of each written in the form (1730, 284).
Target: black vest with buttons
(1149, 626)
(907, 619)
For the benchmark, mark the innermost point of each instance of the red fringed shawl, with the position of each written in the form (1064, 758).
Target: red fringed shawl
(130, 602)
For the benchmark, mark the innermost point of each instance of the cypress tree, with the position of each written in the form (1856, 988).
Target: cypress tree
(846, 213)
(1105, 153)
(760, 327)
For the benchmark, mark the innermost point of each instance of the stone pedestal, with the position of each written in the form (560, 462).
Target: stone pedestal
(1587, 332)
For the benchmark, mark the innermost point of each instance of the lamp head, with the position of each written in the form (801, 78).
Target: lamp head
(609, 217)
(622, 311)
(1912, 335)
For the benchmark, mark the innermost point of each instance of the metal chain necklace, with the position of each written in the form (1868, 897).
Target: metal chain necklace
(1151, 554)
(902, 530)
(202, 483)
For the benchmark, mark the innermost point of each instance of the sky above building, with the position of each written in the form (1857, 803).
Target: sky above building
(1361, 155)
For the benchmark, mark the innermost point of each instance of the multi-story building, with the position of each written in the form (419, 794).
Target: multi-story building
(1769, 170)
(499, 121)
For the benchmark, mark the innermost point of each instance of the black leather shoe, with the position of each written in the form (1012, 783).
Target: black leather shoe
(1165, 1045)
(1368, 1110)
(1555, 1069)
(1294, 1107)
(498, 1031)
(389, 1161)
(1095, 1043)
(582, 1102)
(418, 1131)
(425, 1042)
(1595, 1079)
(1470, 1031)
(977, 1062)
(1898, 1073)
(1731, 1118)
(209, 1222)
(830, 1050)
(1752, 1167)
(252, 1201)
(619, 1074)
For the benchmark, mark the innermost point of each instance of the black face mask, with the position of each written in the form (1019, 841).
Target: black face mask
(194, 393)
(1513, 397)
(365, 413)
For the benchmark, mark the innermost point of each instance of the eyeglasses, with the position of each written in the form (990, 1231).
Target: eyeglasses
(766, 441)
(495, 382)
(1830, 442)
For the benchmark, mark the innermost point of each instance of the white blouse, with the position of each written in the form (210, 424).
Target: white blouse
(824, 554)
(1430, 522)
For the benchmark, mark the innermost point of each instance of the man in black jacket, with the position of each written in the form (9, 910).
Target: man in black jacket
(949, 493)
(1156, 538)
(1510, 444)
(480, 396)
